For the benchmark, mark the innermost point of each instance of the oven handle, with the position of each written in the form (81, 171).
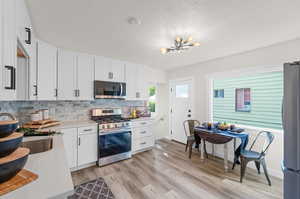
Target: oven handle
(115, 132)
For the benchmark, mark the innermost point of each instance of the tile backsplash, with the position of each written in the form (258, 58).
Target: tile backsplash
(63, 110)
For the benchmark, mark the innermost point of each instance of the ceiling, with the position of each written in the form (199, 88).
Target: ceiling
(223, 27)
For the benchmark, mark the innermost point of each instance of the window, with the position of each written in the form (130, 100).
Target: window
(252, 100)
(242, 100)
(152, 99)
(182, 91)
(219, 93)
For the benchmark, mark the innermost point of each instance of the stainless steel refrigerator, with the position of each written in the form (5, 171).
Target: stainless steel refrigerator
(291, 126)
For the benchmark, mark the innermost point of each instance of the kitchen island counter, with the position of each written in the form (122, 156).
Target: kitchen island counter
(54, 177)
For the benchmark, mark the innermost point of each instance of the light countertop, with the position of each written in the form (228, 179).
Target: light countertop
(54, 175)
(73, 124)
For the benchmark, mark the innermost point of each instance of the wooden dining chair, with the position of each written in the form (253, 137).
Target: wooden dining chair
(257, 156)
(189, 126)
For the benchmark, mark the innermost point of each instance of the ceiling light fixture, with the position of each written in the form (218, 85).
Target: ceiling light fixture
(180, 45)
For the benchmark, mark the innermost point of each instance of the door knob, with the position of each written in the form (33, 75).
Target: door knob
(189, 110)
(189, 115)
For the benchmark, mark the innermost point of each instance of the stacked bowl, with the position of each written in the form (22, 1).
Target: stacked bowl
(12, 157)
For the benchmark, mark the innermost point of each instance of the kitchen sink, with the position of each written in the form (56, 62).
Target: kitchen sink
(38, 146)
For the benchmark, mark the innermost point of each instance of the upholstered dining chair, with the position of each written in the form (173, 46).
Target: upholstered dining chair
(189, 132)
(257, 156)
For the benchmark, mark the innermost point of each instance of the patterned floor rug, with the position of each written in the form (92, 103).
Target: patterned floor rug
(95, 189)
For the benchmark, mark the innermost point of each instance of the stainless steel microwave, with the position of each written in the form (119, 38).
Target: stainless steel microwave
(104, 89)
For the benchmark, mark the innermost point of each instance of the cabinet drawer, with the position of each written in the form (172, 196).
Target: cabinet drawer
(143, 143)
(87, 129)
(142, 123)
(141, 132)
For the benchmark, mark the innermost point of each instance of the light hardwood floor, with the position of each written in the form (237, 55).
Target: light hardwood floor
(166, 173)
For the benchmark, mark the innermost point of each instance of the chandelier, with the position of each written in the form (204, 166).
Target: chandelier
(180, 45)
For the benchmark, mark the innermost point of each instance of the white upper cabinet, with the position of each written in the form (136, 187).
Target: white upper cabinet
(136, 82)
(85, 77)
(130, 77)
(1, 50)
(27, 42)
(109, 70)
(142, 82)
(46, 73)
(9, 49)
(102, 68)
(118, 71)
(24, 27)
(66, 75)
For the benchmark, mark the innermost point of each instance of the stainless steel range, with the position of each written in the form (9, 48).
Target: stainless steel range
(114, 135)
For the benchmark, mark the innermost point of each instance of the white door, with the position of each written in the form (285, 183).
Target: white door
(70, 145)
(66, 75)
(87, 148)
(181, 107)
(85, 76)
(46, 71)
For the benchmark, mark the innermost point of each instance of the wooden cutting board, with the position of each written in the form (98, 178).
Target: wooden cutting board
(41, 124)
(21, 179)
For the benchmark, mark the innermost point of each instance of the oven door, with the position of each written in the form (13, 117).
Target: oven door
(112, 144)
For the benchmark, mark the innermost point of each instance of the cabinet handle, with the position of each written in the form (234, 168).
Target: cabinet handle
(28, 41)
(75, 93)
(12, 85)
(79, 140)
(110, 75)
(137, 94)
(55, 92)
(78, 92)
(143, 123)
(143, 132)
(35, 90)
(86, 130)
(143, 143)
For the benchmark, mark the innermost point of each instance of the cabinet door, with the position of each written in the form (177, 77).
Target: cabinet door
(102, 69)
(142, 83)
(87, 148)
(66, 75)
(9, 49)
(23, 24)
(118, 71)
(131, 81)
(1, 50)
(46, 71)
(70, 145)
(85, 76)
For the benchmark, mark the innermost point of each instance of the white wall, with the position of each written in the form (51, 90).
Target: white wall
(258, 60)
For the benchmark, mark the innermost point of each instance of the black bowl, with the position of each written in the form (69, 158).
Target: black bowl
(8, 127)
(10, 169)
(10, 145)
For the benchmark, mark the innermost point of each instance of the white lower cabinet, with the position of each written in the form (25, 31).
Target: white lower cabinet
(70, 144)
(87, 145)
(142, 136)
(80, 146)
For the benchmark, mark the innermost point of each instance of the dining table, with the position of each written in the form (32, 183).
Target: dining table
(217, 136)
